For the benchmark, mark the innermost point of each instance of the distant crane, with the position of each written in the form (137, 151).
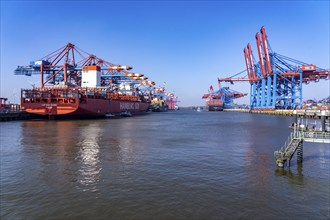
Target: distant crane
(171, 100)
(224, 96)
(276, 80)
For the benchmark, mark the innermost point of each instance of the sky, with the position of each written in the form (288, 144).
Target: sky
(187, 44)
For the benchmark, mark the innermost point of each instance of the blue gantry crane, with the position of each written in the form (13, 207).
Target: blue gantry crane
(276, 80)
(222, 98)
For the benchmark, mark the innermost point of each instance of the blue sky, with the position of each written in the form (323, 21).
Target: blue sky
(185, 44)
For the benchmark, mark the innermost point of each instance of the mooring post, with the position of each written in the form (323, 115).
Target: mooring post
(295, 116)
(295, 124)
(300, 153)
(323, 120)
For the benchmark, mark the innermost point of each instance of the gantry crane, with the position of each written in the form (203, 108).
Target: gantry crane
(62, 67)
(171, 100)
(225, 95)
(276, 80)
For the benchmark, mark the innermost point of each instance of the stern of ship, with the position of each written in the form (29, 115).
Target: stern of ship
(49, 102)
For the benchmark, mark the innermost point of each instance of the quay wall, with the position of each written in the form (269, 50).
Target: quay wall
(309, 113)
(17, 115)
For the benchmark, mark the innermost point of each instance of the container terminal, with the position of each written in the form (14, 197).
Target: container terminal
(162, 100)
(91, 86)
(85, 87)
(276, 81)
(221, 99)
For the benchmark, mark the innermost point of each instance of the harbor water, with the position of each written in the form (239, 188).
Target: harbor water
(171, 165)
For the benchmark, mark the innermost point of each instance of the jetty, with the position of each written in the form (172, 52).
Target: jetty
(15, 115)
(306, 113)
(300, 134)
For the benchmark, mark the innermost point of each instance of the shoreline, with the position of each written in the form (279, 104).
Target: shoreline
(286, 112)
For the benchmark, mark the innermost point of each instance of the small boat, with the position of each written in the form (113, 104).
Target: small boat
(199, 109)
(126, 114)
(109, 115)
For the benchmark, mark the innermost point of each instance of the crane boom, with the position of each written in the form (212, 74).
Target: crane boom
(247, 64)
(261, 59)
(251, 61)
(266, 52)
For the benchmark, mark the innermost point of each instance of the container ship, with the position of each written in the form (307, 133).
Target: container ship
(95, 88)
(221, 99)
(162, 100)
(214, 104)
(158, 101)
(79, 102)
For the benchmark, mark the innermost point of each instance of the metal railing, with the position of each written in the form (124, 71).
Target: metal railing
(316, 136)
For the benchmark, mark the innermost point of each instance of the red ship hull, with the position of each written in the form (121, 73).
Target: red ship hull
(78, 104)
(214, 105)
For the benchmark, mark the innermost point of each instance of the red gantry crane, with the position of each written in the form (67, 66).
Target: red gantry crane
(66, 66)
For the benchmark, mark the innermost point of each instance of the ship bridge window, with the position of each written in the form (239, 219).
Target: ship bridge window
(44, 100)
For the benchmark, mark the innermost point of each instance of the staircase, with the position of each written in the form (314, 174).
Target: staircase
(285, 154)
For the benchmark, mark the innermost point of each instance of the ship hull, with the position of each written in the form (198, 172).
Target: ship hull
(78, 105)
(214, 105)
(92, 108)
(103, 107)
(215, 108)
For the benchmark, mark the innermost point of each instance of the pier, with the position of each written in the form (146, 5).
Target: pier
(295, 141)
(15, 115)
(306, 113)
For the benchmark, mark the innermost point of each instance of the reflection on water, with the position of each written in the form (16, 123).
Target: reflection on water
(126, 147)
(65, 147)
(79, 144)
(324, 152)
(296, 177)
(88, 155)
(174, 165)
